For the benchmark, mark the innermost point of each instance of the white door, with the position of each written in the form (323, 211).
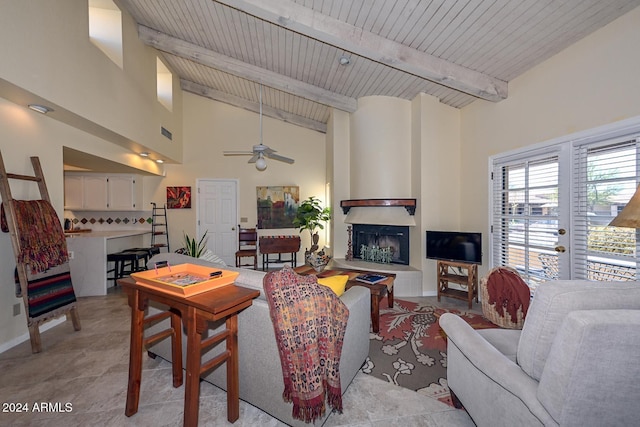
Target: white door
(217, 203)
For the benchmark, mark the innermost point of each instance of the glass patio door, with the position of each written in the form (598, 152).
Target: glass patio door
(551, 210)
(530, 215)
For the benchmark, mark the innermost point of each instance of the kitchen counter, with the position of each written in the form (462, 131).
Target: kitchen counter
(107, 234)
(88, 256)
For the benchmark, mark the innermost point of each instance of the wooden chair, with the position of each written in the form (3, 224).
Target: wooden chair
(247, 247)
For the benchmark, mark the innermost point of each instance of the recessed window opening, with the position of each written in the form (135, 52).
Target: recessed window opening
(105, 29)
(165, 85)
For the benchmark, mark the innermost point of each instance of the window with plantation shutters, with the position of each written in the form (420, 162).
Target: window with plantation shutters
(552, 205)
(525, 216)
(605, 178)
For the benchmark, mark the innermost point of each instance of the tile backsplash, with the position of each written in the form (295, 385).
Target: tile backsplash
(107, 221)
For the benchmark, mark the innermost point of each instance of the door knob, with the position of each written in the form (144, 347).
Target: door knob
(560, 249)
(562, 232)
(233, 228)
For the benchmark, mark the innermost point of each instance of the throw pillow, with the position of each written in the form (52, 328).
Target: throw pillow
(335, 283)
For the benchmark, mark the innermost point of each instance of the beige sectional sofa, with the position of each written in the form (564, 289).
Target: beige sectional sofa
(260, 373)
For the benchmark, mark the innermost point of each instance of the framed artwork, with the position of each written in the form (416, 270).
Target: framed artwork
(277, 206)
(178, 197)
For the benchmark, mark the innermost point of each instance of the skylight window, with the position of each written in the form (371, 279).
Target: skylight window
(165, 85)
(105, 29)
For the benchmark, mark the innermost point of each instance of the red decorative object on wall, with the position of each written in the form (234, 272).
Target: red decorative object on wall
(178, 197)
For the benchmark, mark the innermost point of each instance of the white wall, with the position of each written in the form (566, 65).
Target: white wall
(380, 141)
(592, 83)
(338, 159)
(46, 55)
(210, 128)
(46, 52)
(439, 200)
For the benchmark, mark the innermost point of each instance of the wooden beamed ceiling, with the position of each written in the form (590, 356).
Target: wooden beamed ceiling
(457, 51)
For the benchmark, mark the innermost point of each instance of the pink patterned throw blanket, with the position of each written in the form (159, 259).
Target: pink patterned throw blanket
(309, 321)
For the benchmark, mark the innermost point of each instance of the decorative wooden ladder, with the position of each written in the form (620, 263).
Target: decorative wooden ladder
(7, 200)
(159, 227)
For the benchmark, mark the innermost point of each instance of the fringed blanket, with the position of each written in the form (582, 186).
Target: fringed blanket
(309, 321)
(508, 292)
(42, 241)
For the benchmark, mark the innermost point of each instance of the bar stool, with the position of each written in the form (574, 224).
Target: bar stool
(151, 251)
(122, 259)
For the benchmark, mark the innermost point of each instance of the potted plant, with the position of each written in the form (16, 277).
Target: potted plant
(193, 248)
(311, 216)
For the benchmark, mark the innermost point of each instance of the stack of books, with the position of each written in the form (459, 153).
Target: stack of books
(370, 279)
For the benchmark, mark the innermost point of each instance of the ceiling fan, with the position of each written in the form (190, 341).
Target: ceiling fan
(260, 151)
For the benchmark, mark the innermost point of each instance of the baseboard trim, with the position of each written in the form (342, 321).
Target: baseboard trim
(25, 337)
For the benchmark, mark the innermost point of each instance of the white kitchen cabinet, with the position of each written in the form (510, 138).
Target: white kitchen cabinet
(101, 192)
(94, 190)
(124, 192)
(73, 191)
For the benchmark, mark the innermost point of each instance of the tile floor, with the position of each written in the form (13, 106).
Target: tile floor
(80, 379)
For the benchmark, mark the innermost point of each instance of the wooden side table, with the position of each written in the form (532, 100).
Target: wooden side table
(378, 290)
(279, 245)
(452, 271)
(195, 311)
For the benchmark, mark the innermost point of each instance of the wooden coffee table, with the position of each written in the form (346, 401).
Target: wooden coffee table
(378, 290)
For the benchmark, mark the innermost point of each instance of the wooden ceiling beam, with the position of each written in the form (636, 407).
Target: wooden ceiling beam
(198, 89)
(209, 58)
(342, 35)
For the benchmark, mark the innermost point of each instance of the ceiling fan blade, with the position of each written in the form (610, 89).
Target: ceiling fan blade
(279, 157)
(254, 158)
(237, 153)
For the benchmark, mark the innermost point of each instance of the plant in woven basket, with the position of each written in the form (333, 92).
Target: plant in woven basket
(194, 248)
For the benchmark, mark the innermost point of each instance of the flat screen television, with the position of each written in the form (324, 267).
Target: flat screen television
(454, 246)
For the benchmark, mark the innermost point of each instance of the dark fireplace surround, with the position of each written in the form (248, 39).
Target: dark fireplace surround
(395, 237)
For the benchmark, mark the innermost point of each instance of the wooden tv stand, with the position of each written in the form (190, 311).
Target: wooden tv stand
(446, 274)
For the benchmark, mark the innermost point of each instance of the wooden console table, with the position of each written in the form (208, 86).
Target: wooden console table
(378, 290)
(221, 303)
(279, 245)
(446, 274)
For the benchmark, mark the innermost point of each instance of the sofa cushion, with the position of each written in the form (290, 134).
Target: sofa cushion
(552, 302)
(335, 283)
(592, 369)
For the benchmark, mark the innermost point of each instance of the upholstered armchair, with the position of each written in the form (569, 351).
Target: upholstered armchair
(574, 363)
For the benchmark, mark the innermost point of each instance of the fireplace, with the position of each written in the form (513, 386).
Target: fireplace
(392, 239)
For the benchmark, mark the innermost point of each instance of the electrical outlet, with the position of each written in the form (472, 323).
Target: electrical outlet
(71, 254)
(16, 309)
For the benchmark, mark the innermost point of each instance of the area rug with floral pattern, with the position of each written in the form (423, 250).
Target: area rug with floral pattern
(411, 350)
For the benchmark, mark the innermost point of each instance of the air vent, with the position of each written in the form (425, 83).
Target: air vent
(166, 133)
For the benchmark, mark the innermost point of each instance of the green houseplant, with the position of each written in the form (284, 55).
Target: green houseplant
(311, 216)
(193, 248)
